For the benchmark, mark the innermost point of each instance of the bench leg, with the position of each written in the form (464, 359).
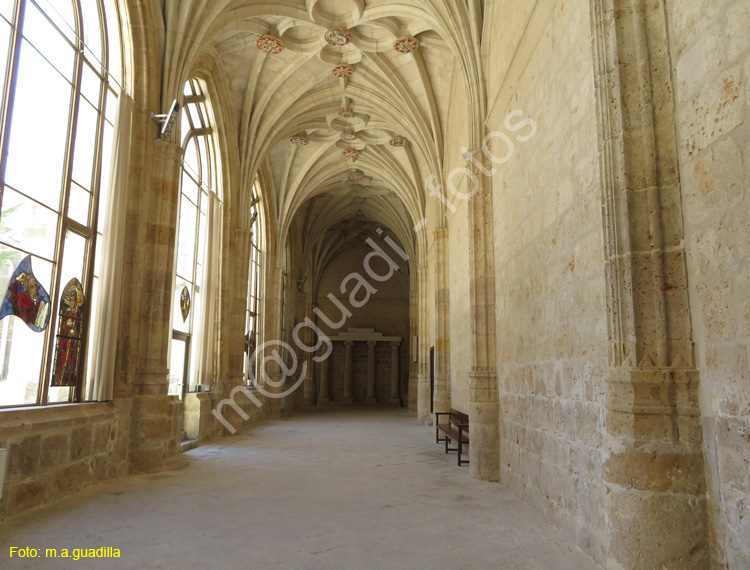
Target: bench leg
(437, 435)
(447, 439)
(460, 451)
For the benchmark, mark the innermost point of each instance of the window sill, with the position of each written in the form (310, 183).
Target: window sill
(15, 420)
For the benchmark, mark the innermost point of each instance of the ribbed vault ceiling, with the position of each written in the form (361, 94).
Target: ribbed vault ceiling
(340, 104)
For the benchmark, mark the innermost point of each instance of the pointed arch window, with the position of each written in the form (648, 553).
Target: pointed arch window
(284, 285)
(252, 319)
(198, 258)
(60, 69)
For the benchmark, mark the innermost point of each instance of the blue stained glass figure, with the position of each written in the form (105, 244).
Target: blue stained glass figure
(26, 298)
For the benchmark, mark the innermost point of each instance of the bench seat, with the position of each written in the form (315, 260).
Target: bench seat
(455, 429)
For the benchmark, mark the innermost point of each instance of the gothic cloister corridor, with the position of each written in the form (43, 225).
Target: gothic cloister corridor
(339, 489)
(251, 250)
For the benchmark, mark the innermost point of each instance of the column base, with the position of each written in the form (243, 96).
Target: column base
(394, 401)
(324, 401)
(308, 400)
(654, 470)
(347, 401)
(371, 401)
(423, 398)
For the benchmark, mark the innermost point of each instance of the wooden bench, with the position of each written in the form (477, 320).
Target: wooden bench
(456, 429)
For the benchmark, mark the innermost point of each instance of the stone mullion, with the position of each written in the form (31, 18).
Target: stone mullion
(483, 383)
(442, 395)
(653, 417)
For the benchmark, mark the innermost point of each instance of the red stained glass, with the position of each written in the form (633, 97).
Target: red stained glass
(69, 335)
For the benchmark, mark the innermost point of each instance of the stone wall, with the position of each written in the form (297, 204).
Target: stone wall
(387, 312)
(711, 62)
(359, 372)
(551, 313)
(53, 452)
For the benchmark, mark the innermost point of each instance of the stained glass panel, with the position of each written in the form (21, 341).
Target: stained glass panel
(21, 348)
(177, 323)
(26, 298)
(185, 303)
(69, 335)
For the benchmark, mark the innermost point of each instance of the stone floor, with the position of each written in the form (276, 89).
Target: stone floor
(344, 489)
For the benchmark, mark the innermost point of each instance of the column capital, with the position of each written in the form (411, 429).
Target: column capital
(372, 343)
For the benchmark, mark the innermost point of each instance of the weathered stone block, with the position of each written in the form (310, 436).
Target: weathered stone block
(638, 540)
(99, 467)
(55, 451)
(148, 459)
(27, 495)
(715, 112)
(101, 438)
(657, 470)
(80, 442)
(23, 458)
(152, 429)
(70, 479)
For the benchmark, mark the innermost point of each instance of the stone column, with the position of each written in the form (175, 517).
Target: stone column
(484, 407)
(653, 468)
(309, 383)
(348, 399)
(423, 378)
(323, 397)
(273, 301)
(442, 394)
(371, 398)
(234, 306)
(152, 220)
(394, 395)
(413, 346)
